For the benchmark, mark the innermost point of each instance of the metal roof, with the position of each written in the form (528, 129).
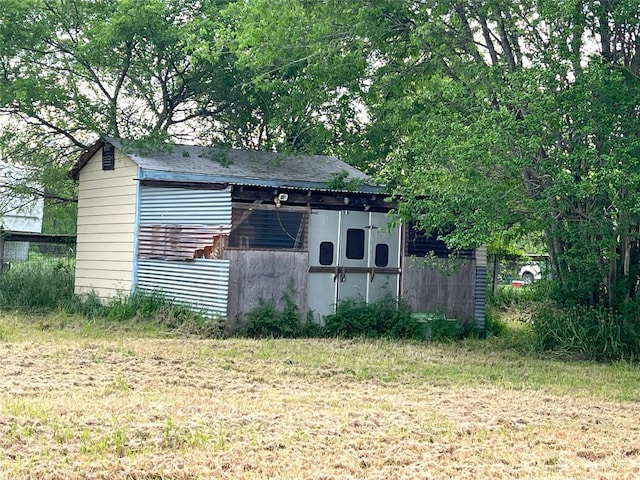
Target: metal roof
(241, 167)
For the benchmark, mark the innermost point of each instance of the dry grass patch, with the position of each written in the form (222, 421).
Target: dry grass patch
(117, 406)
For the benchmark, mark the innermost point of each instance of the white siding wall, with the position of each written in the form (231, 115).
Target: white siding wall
(106, 227)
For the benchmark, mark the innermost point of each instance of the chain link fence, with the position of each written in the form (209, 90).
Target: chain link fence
(35, 251)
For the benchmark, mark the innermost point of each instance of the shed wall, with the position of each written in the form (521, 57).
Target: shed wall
(267, 275)
(106, 227)
(429, 290)
(174, 224)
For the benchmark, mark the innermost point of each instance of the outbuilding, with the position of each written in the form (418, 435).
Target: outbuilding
(219, 229)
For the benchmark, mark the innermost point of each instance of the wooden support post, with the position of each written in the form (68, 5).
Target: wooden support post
(1, 252)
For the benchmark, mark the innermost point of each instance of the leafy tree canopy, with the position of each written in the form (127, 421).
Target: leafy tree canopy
(488, 116)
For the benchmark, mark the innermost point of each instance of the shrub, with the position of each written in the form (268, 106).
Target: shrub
(493, 326)
(266, 321)
(387, 317)
(587, 332)
(437, 327)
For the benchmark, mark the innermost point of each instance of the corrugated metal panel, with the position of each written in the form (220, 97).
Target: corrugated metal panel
(171, 206)
(203, 285)
(480, 296)
(179, 242)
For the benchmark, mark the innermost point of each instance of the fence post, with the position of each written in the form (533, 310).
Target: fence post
(1, 252)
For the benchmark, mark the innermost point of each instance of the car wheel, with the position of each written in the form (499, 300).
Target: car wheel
(527, 277)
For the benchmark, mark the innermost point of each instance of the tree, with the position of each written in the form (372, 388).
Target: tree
(73, 70)
(492, 116)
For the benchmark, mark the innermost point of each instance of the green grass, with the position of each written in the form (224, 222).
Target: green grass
(16, 326)
(507, 361)
(121, 400)
(500, 362)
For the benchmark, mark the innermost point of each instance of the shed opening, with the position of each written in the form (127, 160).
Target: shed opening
(268, 229)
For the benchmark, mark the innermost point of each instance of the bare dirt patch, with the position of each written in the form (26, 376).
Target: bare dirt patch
(182, 409)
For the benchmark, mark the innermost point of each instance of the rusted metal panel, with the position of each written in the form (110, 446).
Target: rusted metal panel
(180, 242)
(203, 285)
(180, 206)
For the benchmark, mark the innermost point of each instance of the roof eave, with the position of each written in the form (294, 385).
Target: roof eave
(164, 176)
(84, 159)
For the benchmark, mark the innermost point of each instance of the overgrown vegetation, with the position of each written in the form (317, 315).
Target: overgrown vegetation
(267, 321)
(586, 332)
(566, 330)
(354, 318)
(40, 287)
(386, 318)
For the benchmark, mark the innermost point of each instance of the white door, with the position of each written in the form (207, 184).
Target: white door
(322, 287)
(351, 255)
(384, 258)
(353, 258)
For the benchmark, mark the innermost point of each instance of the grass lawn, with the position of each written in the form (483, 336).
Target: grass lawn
(81, 400)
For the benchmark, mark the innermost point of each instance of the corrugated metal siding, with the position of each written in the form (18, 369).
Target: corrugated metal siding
(177, 242)
(201, 284)
(173, 206)
(480, 296)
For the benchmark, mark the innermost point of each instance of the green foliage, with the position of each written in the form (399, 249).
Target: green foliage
(341, 181)
(439, 328)
(493, 325)
(37, 286)
(267, 321)
(508, 296)
(384, 318)
(147, 306)
(586, 332)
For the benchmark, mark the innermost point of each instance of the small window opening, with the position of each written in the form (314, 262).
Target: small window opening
(355, 244)
(382, 255)
(326, 253)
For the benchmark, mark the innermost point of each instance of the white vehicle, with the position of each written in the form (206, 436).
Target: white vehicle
(530, 273)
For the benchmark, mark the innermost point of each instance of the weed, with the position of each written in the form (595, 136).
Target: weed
(586, 332)
(508, 296)
(177, 437)
(437, 327)
(119, 442)
(267, 321)
(36, 287)
(118, 385)
(493, 326)
(61, 434)
(387, 317)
